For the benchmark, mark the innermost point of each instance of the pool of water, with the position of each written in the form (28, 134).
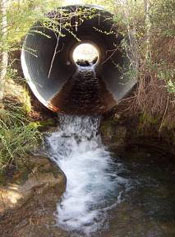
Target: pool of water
(148, 209)
(107, 194)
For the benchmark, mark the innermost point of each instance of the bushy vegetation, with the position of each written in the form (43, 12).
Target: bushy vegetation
(18, 136)
(151, 23)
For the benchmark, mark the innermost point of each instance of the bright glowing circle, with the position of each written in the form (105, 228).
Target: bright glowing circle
(85, 52)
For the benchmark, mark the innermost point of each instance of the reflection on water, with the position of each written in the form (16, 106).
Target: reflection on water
(149, 207)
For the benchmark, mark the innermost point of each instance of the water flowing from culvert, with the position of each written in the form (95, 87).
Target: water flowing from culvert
(93, 186)
(132, 196)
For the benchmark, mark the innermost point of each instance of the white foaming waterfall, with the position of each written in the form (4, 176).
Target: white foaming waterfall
(93, 186)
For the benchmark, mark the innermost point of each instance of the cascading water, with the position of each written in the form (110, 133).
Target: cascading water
(93, 185)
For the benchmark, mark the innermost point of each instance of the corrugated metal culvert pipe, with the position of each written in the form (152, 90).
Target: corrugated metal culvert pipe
(65, 85)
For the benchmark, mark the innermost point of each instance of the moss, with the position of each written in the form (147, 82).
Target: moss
(147, 125)
(43, 125)
(146, 118)
(107, 127)
(26, 101)
(47, 123)
(2, 178)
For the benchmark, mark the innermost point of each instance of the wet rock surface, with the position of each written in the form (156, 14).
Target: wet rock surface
(27, 205)
(28, 202)
(113, 134)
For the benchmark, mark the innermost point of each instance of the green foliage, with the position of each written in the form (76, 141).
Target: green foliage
(154, 33)
(21, 15)
(148, 119)
(18, 137)
(108, 5)
(162, 15)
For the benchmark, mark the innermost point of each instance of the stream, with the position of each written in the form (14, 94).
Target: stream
(93, 185)
(107, 195)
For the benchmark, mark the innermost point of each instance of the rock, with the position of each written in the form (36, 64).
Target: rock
(113, 134)
(120, 135)
(27, 206)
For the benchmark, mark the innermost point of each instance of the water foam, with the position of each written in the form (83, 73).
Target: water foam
(93, 185)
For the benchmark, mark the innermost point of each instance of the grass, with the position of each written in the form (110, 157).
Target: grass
(18, 135)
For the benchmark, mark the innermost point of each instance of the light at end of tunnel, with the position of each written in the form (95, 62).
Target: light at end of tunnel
(85, 52)
(71, 2)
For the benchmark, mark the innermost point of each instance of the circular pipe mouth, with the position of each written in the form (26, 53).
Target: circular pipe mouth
(62, 84)
(85, 53)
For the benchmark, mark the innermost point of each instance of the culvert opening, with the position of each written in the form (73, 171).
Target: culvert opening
(51, 71)
(85, 54)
